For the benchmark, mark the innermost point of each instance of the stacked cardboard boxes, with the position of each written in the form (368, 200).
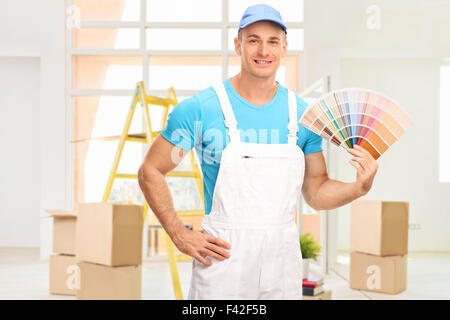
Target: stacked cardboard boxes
(379, 245)
(63, 273)
(109, 251)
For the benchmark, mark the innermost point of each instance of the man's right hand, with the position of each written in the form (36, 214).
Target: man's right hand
(199, 244)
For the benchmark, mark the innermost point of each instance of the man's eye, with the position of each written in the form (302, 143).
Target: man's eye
(252, 41)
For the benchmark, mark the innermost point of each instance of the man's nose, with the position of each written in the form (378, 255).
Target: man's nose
(263, 49)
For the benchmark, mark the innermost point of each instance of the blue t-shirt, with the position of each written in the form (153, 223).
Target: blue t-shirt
(199, 122)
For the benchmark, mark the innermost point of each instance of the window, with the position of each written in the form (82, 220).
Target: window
(184, 44)
(444, 129)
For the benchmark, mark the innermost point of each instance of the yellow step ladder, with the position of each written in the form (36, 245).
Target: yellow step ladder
(145, 100)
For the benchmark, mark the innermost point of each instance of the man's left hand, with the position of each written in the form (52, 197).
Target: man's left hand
(366, 168)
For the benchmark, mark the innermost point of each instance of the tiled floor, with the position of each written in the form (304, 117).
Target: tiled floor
(24, 276)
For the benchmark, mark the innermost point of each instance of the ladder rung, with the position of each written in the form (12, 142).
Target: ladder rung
(133, 139)
(190, 213)
(183, 174)
(158, 101)
(141, 137)
(125, 176)
(136, 137)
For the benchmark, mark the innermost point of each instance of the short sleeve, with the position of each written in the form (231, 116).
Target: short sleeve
(184, 124)
(311, 141)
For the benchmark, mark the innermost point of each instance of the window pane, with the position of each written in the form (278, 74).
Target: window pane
(126, 191)
(97, 116)
(98, 162)
(232, 33)
(184, 72)
(106, 72)
(156, 116)
(291, 11)
(102, 116)
(182, 10)
(183, 39)
(107, 10)
(185, 193)
(106, 38)
(294, 38)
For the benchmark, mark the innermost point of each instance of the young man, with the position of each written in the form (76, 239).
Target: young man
(256, 161)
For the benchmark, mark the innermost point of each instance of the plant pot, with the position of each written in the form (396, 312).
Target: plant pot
(306, 267)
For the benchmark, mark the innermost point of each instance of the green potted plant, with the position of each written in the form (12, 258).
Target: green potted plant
(310, 250)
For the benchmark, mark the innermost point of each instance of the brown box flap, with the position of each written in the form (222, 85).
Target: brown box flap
(61, 213)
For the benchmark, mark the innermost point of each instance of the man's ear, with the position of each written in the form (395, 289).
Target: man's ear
(237, 46)
(283, 53)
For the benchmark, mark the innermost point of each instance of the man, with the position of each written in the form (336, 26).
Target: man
(248, 247)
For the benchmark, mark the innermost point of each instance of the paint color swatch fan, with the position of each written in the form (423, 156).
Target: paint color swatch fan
(349, 117)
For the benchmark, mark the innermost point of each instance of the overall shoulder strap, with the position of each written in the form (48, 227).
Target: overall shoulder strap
(230, 120)
(292, 125)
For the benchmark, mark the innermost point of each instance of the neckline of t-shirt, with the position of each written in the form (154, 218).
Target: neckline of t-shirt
(248, 104)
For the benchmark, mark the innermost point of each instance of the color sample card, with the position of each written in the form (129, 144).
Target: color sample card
(354, 116)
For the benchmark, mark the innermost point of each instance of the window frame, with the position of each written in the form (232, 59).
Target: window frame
(224, 25)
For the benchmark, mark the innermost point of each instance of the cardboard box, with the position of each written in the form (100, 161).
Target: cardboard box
(109, 233)
(379, 227)
(98, 282)
(378, 274)
(64, 230)
(64, 275)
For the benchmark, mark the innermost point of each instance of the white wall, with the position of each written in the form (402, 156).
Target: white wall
(402, 60)
(54, 171)
(408, 28)
(19, 163)
(22, 22)
(37, 29)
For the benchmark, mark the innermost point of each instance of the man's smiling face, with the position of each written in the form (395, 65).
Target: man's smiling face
(261, 47)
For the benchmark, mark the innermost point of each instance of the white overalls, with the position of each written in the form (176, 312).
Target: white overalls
(253, 209)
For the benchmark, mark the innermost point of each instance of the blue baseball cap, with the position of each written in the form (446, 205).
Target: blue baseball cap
(261, 12)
